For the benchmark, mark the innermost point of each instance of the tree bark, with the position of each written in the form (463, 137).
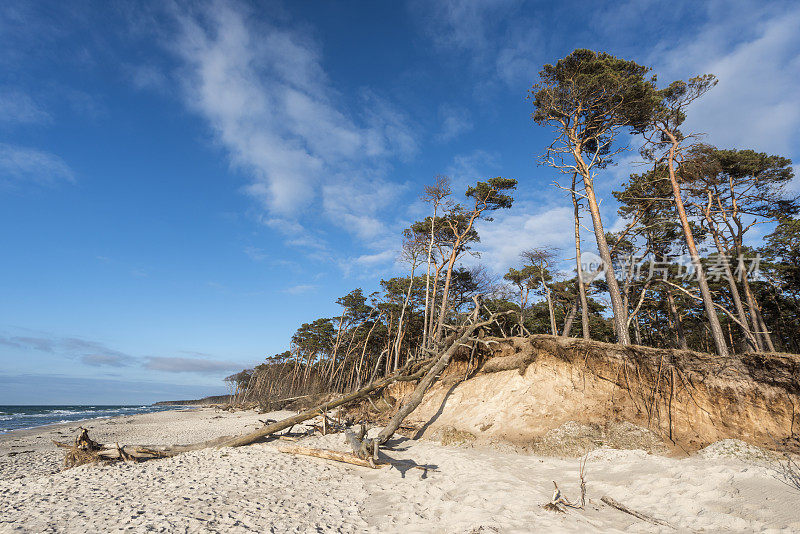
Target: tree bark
(673, 310)
(620, 313)
(716, 329)
(579, 276)
(758, 321)
(750, 339)
(570, 319)
(553, 327)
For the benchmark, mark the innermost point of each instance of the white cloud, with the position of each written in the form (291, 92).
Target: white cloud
(377, 258)
(27, 165)
(266, 95)
(357, 205)
(18, 107)
(518, 229)
(455, 121)
(189, 365)
(299, 289)
(757, 60)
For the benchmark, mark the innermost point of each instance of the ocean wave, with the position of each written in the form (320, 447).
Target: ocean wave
(48, 415)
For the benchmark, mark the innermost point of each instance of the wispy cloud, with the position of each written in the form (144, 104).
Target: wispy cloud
(255, 253)
(266, 95)
(100, 360)
(189, 365)
(20, 165)
(299, 289)
(463, 24)
(97, 354)
(19, 107)
(757, 60)
(455, 121)
(89, 352)
(497, 37)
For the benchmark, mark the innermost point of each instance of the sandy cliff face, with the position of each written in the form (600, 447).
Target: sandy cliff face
(524, 390)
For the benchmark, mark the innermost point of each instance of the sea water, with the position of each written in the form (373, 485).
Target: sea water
(17, 417)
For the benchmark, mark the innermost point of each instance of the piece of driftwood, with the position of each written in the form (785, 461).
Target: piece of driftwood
(354, 459)
(86, 450)
(337, 456)
(639, 515)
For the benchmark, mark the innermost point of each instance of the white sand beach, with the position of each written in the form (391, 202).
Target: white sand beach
(257, 488)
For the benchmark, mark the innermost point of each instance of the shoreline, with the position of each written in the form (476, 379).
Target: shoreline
(162, 408)
(257, 488)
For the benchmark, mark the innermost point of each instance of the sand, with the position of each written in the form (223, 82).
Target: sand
(729, 487)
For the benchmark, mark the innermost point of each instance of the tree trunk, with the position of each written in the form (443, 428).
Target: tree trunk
(400, 321)
(618, 308)
(673, 310)
(750, 339)
(430, 377)
(553, 327)
(425, 325)
(713, 321)
(299, 418)
(761, 328)
(445, 291)
(570, 319)
(579, 276)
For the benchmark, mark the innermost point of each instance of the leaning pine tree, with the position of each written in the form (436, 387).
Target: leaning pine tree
(665, 142)
(590, 97)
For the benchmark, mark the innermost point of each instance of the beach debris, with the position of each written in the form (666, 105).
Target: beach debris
(337, 456)
(639, 515)
(559, 499)
(427, 371)
(83, 451)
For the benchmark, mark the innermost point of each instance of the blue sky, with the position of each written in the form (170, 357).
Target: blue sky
(183, 184)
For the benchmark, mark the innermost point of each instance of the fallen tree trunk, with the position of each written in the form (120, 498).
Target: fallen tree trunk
(84, 450)
(432, 374)
(337, 456)
(317, 410)
(102, 451)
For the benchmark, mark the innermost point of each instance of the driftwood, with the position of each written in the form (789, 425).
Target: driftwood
(85, 450)
(427, 370)
(335, 456)
(640, 515)
(361, 445)
(354, 459)
(80, 453)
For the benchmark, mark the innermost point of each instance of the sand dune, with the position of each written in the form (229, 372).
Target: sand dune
(259, 489)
